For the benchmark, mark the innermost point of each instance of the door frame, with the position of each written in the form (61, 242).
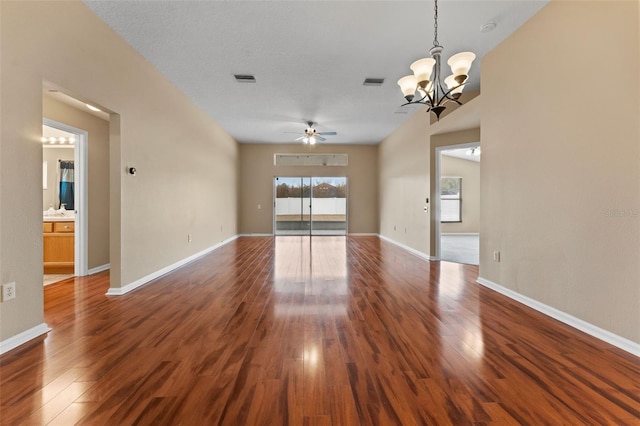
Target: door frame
(436, 198)
(81, 192)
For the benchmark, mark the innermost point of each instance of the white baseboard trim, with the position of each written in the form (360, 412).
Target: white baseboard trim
(255, 235)
(24, 337)
(592, 330)
(98, 269)
(142, 281)
(434, 259)
(407, 248)
(467, 234)
(363, 234)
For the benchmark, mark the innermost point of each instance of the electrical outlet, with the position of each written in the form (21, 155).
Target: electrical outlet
(496, 256)
(8, 291)
(188, 238)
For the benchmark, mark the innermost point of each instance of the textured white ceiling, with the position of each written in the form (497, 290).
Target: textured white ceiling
(309, 58)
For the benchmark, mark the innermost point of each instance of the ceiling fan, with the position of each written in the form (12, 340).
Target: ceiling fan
(311, 136)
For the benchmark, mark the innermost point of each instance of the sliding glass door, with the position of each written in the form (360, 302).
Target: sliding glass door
(292, 206)
(310, 206)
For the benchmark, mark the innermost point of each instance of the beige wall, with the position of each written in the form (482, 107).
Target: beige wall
(469, 171)
(187, 164)
(561, 163)
(98, 174)
(404, 183)
(407, 172)
(257, 171)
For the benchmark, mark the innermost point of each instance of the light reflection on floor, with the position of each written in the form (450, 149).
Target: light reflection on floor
(48, 279)
(311, 266)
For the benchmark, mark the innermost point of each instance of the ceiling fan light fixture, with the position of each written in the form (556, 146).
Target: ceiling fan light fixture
(311, 135)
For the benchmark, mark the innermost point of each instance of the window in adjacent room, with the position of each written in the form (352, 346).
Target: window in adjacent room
(450, 199)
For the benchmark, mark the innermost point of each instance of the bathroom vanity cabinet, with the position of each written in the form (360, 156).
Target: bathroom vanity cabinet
(58, 240)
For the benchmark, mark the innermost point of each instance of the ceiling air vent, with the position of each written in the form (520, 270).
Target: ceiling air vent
(245, 78)
(373, 81)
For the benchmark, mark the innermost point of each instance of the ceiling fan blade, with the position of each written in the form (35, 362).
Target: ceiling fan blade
(327, 133)
(300, 138)
(320, 138)
(297, 133)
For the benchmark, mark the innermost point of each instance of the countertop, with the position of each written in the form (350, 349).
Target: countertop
(69, 218)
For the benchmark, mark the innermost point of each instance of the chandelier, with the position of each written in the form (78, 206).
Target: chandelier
(426, 78)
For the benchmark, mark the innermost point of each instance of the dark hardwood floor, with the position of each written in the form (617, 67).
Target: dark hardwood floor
(339, 331)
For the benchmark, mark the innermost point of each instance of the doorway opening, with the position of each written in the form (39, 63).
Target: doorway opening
(310, 205)
(458, 203)
(64, 201)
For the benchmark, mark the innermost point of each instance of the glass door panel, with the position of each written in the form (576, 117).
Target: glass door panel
(292, 206)
(329, 206)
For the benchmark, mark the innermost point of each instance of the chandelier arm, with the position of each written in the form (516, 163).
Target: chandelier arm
(446, 95)
(416, 102)
(422, 101)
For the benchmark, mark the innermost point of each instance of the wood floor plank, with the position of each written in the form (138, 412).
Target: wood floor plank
(311, 331)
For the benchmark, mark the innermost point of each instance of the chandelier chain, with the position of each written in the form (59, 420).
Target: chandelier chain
(435, 24)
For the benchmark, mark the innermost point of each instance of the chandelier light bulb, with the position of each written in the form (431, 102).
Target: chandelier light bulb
(43, 139)
(422, 69)
(72, 139)
(408, 86)
(460, 64)
(451, 83)
(312, 140)
(52, 140)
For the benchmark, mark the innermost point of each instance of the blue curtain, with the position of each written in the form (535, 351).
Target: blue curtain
(66, 185)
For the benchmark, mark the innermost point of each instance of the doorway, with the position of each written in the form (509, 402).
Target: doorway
(64, 201)
(458, 203)
(310, 205)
